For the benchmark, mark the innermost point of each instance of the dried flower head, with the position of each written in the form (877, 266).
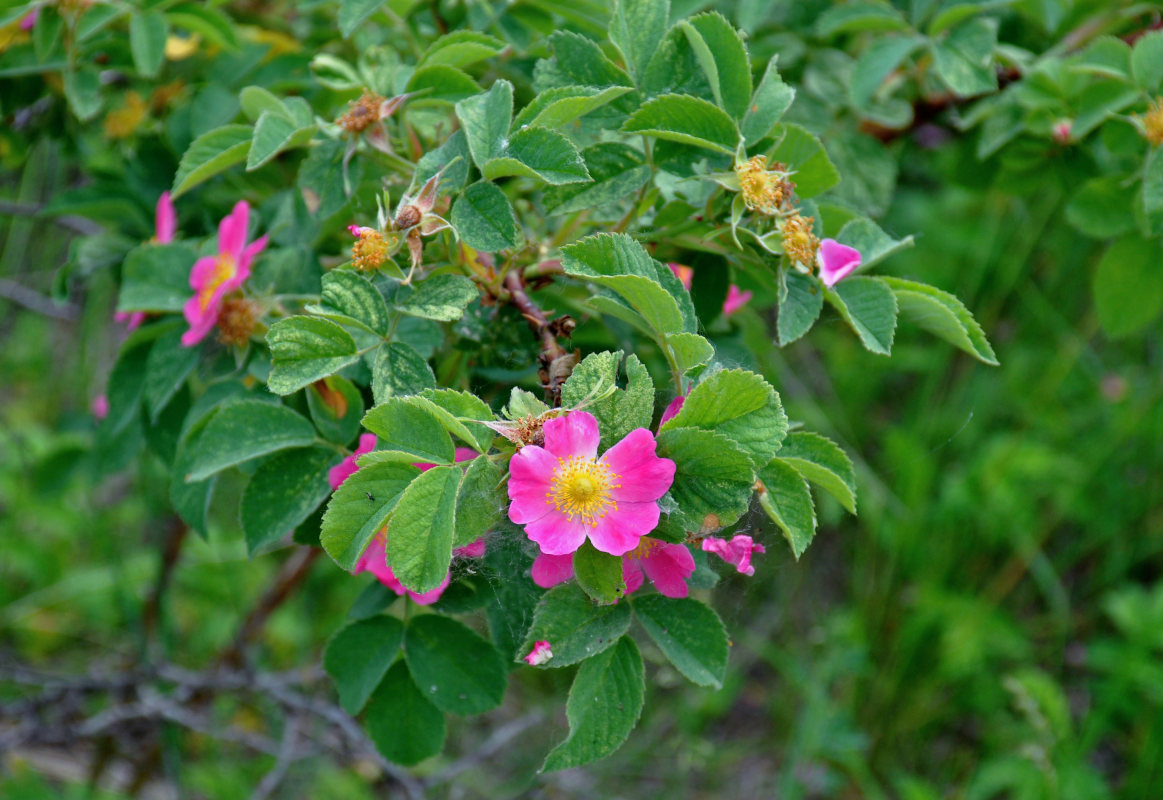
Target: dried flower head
(237, 320)
(407, 216)
(361, 113)
(763, 190)
(799, 243)
(1151, 123)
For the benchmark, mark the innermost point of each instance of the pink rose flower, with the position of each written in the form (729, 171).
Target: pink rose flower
(736, 552)
(836, 261)
(684, 274)
(165, 220)
(28, 21)
(213, 277)
(563, 493)
(375, 561)
(347, 467)
(100, 406)
(539, 654)
(735, 300)
(667, 565)
(672, 410)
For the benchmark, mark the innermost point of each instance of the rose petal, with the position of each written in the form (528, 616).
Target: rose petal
(575, 434)
(642, 475)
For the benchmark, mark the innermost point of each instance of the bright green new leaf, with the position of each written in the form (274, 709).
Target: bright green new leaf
(274, 133)
(1147, 61)
(823, 463)
(771, 99)
(440, 84)
(713, 478)
(305, 349)
(787, 500)
(539, 153)
(873, 243)
(869, 307)
(211, 153)
(283, 492)
(805, 155)
(410, 429)
(576, 627)
(420, 531)
(457, 670)
(254, 100)
(455, 410)
(622, 410)
(599, 574)
(1128, 286)
(584, 62)
(405, 727)
(485, 119)
(942, 315)
(461, 48)
(360, 507)
(604, 704)
(685, 119)
(689, 351)
(147, 41)
(723, 58)
(399, 370)
(564, 105)
(244, 430)
(740, 405)
(689, 633)
(358, 657)
(484, 219)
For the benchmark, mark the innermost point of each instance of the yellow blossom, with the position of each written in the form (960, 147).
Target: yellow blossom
(799, 243)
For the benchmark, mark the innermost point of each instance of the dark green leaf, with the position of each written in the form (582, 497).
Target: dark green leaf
(441, 297)
(405, 727)
(636, 29)
(599, 574)
(713, 478)
(359, 509)
(282, 494)
(823, 463)
(247, 429)
(1128, 286)
(457, 670)
(358, 657)
(575, 627)
(410, 429)
(800, 309)
(336, 408)
(539, 153)
(685, 119)
(399, 370)
(461, 48)
(421, 529)
(869, 307)
(305, 349)
(485, 119)
(166, 369)
(787, 500)
(484, 219)
(772, 97)
(147, 41)
(211, 153)
(156, 277)
(689, 633)
(616, 170)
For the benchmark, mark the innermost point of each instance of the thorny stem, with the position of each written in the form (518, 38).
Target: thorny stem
(171, 551)
(552, 352)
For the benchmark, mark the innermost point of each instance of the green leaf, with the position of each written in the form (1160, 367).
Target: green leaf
(1103, 207)
(685, 119)
(305, 349)
(805, 155)
(689, 633)
(166, 369)
(575, 627)
(410, 429)
(440, 84)
(211, 153)
(599, 574)
(454, 408)
(619, 262)
(624, 409)
(823, 463)
(273, 133)
(399, 370)
(964, 59)
(616, 171)
(350, 297)
(636, 29)
(942, 315)
(480, 501)
(441, 297)
(539, 153)
(1147, 62)
(338, 413)
(247, 429)
(869, 307)
(405, 727)
(421, 528)
(861, 15)
(83, 92)
(564, 105)
(321, 176)
(358, 657)
(461, 48)
(740, 405)
(1151, 196)
(723, 58)
(874, 244)
(485, 119)
(876, 63)
(584, 62)
(353, 13)
(771, 99)
(457, 670)
(209, 22)
(604, 704)
(156, 277)
(147, 41)
(713, 477)
(689, 350)
(484, 219)
(787, 500)
(1128, 286)
(283, 492)
(800, 309)
(359, 509)
(254, 100)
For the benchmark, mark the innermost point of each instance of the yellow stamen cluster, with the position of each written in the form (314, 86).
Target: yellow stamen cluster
(645, 547)
(581, 489)
(370, 249)
(237, 320)
(362, 112)
(763, 190)
(799, 243)
(1152, 122)
(224, 269)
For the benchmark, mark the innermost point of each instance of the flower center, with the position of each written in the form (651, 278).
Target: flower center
(581, 489)
(224, 269)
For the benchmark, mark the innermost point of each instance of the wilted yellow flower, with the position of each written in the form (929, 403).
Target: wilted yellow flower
(122, 122)
(799, 243)
(1152, 122)
(237, 320)
(763, 190)
(363, 112)
(370, 249)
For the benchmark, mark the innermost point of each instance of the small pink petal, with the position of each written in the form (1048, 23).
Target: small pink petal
(472, 550)
(462, 454)
(132, 319)
(100, 406)
(632, 574)
(165, 220)
(232, 230)
(622, 528)
(672, 410)
(684, 273)
(556, 534)
(28, 21)
(575, 434)
(735, 300)
(246, 259)
(836, 261)
(642, 475)
(530, 482)
(355, 230)
(540, 654)
(201, 319)
(736, 552)
(548, 571)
